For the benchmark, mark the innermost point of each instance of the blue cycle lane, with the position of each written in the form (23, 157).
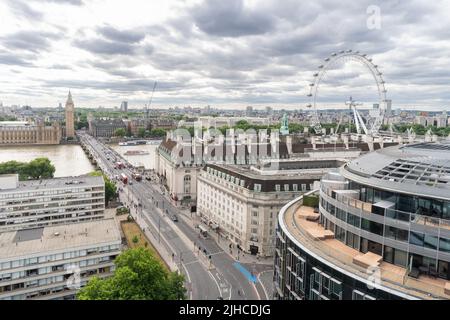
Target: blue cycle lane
(251, 277)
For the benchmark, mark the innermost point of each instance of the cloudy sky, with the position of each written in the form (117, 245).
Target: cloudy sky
(229, 53)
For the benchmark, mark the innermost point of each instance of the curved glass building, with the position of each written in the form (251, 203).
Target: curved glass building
(380, 229)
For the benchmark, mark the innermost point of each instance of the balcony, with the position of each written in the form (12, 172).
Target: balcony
(338, 254)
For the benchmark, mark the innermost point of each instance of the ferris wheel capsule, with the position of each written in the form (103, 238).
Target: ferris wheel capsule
(309, 95)
(308, 105)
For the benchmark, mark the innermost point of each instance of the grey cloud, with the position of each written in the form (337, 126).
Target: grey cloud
(100, 46)
(14, 60)
(33, 41)
(125, 36)
(122, 86)
(23, 10)
(230, 19)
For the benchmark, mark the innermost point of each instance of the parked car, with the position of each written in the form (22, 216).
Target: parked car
(174, 218)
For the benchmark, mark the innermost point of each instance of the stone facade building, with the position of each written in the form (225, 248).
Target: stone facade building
(70, 125)
(105, 128)
(23, 133)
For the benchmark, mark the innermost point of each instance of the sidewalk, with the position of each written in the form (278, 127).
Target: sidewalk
(162, 250)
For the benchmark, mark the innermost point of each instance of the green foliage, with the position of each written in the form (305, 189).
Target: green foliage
(121, 211)
(120, 132)
(311, 201)
(157, 132)
(138, 276)
(39, 168)
(141, 132)
(8, 118)
(295, 128)
(135, 239)
(110, 187)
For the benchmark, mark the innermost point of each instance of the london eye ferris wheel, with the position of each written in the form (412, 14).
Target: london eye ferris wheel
(373, 124)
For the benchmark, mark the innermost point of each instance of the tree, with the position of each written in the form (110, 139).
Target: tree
(157, 132)
(138, 276)
(110, 187)
(141, 132)
(135, 239)
(120, 132)
(39, 168)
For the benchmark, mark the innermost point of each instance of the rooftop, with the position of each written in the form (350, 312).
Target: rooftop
(250, 175)
(64, 182)
(55, 238)
(422, 169)
(301, 227)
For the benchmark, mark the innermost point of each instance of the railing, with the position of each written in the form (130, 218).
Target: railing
(390, 213)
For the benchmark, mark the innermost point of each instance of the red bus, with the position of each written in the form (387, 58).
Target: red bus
(124, 178)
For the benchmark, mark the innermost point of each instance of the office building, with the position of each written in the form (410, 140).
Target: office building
(105, 128)
(38, 203)
(241, 202)
(124, 106)
(45, 263)
(382, 230)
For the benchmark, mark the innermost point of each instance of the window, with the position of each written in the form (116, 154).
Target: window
(389, 254)
(371, 226)
(400, 257)
(444, 245)
(430, 242)
(336, 288)
(358, 295)
(353, 220)
(187, 184)
(277, 187)
(416, 238)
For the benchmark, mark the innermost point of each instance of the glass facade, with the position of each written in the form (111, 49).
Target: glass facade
(419, 227)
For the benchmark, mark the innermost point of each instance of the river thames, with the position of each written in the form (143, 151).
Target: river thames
(147, 160)
(69, 160)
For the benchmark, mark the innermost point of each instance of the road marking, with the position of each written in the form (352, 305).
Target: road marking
(262, 285)
(218, 288)
(245, 272)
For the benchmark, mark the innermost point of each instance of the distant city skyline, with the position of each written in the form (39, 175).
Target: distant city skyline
(227, 55)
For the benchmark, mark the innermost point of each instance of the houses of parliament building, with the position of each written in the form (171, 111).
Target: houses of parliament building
(24, 133)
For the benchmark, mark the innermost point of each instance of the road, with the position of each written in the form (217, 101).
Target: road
(207, 278)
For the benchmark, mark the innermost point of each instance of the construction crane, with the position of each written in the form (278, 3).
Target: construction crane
(147, 107)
